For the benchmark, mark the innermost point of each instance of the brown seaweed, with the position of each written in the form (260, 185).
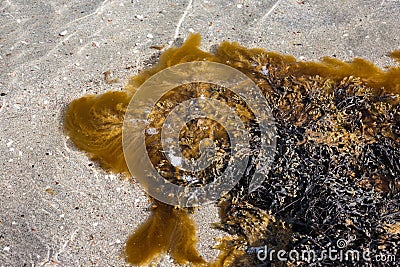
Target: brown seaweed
(336, 173)
(168, 230)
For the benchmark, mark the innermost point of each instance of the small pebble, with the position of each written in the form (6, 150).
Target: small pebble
(151, 131)
(264, 70)
(10, 142)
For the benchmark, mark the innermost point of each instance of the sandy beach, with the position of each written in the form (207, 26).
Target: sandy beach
(58, 208)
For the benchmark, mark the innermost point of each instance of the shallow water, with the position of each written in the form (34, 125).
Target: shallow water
(58, 206)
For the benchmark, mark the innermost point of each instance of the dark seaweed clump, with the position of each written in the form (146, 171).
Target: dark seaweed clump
(336, 174)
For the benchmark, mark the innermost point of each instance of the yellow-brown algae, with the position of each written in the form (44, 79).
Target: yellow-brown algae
(339, 129)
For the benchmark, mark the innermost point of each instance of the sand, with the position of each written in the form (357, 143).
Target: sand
(57, 207)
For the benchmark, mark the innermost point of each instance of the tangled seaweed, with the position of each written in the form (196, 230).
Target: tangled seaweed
(336, 173)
